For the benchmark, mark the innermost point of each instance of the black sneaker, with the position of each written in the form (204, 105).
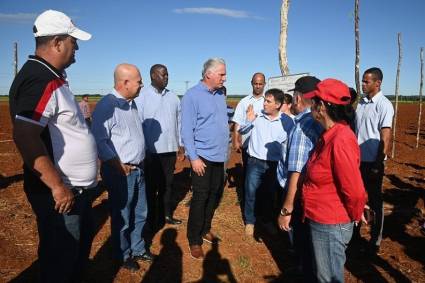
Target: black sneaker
(173, 221)
(146, 256)
(131, 265)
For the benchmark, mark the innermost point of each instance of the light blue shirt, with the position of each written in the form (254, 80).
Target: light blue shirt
(296, 151)
(160, 116)
(117, 129)
(205, 129)
(371, 116)
(267, 135)
(240, 113)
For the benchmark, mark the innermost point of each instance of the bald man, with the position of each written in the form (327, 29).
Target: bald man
(119, 136)
(256, 99)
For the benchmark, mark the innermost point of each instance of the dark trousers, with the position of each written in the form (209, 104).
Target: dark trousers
(64, 239)
(302, 242)
(159, 169)
(206, 193)
(372, 175)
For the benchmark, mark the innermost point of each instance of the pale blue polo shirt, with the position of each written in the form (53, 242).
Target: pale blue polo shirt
(240, 113)
(371, 116)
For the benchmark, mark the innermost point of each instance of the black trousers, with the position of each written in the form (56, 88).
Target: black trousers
(159, 170)
(372, 175)
(206, 194)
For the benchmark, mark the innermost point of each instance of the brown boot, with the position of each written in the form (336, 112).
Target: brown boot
(196, 252)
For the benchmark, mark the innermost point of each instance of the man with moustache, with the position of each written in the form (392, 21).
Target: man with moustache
(59, 152)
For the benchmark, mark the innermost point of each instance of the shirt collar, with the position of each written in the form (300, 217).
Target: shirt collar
(55, 71)
(121, 100)
(301, 115)
(374, 99)
(332, 131)
(213, 92)
(277, 118)
(164, 91)
(251, 96)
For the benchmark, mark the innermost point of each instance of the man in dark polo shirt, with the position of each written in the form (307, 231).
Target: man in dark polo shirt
(59, 152)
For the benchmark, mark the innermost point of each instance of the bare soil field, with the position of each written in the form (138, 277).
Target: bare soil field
(235, 258)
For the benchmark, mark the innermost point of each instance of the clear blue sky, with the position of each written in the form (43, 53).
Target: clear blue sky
(182, 34)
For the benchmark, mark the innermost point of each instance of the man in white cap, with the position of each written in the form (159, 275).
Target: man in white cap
(59, 151)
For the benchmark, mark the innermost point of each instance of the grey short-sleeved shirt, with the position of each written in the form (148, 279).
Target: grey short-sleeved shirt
(371, 116)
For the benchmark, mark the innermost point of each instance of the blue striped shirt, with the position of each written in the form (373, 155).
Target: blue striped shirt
(160, 116)
(297, 150)
(205, 129)
(117, 129)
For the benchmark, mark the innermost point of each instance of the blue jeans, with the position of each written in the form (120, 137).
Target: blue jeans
(260, 173)
(127, 196)
(64, 239)
(329, 242)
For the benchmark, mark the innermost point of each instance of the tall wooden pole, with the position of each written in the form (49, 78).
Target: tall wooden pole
(396, 93)
(15, 58)
(283, 59)
(421, 85)
(357, 36)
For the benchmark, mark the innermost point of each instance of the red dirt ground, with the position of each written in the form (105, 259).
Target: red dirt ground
(236, 258)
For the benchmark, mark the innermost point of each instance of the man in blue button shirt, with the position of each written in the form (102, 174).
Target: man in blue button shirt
(205, 136)
(120, 142)
(159, 111)
(264, 151)
(374, 118)
(256, 99)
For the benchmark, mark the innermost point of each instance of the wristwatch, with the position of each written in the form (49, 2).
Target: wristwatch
(285, 212)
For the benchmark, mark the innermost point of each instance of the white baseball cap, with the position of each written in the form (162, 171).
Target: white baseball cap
(53, 22)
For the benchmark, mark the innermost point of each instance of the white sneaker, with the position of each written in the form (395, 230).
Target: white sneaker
(249, 229)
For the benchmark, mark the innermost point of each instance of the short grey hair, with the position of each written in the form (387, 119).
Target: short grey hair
(211, 64)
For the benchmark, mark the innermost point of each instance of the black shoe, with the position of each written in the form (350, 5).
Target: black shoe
(374, 250)
(146, 256)
(131, 265)
(171, 220)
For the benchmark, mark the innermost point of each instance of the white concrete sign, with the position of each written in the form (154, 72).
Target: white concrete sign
(284, 82)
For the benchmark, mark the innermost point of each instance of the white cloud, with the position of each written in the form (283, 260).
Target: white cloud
(18, 18)
(217, 11)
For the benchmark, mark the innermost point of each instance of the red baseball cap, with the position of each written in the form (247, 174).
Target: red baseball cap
(332, 91)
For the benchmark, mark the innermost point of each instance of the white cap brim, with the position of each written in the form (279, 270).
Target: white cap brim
(80, 34)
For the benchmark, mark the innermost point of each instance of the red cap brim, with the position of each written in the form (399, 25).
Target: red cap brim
(310, 94)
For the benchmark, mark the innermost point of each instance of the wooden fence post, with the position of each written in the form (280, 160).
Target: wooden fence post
(396, 93)
(357, 37)
(421, 84)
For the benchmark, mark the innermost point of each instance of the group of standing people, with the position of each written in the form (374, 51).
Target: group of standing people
(316, 164)
(299, 154)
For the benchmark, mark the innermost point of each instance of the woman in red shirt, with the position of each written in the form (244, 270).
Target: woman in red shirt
(333, 195)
